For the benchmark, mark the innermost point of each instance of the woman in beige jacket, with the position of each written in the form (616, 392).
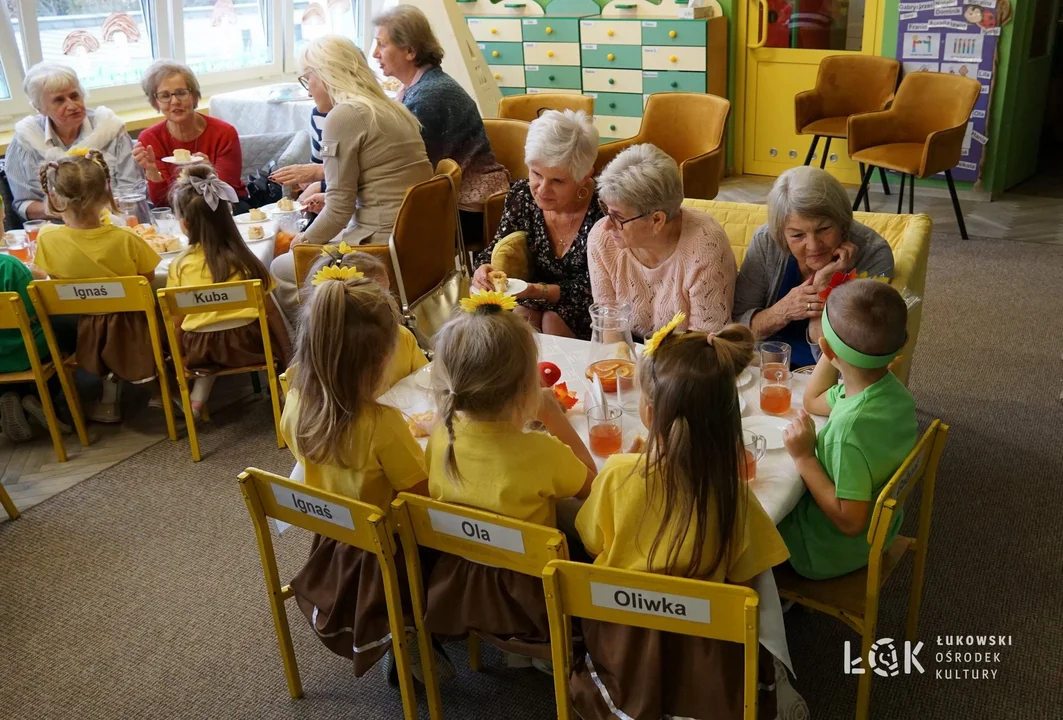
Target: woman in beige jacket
(372, 150)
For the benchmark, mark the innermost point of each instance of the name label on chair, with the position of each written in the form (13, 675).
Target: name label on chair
(477, 531)
(647, 602)
(313, 506)
(211, 297)
(90, 291)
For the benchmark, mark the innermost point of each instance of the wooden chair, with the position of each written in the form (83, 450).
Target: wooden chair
(845, 85)
(854, 598)
(305, 256)
(494, 207)
(690, 128)
(475, 535)
(178, 302)
(8, 504)
(452, 170)
(508, 138)
(101, 296)
(920, 135)
(344, 520)
(529, 107)
(13, 316)
(575, 590)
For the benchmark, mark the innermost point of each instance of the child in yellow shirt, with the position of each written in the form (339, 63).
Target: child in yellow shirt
(115, 346)
(485, 383)
(217, 253)
(679, 509)
(407, 357)
(350, 445)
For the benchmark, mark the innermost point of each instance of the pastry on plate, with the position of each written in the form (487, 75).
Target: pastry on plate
(163, 243)
(421, 423)
(181, 155)
(257, 215)
(498, 279)
(144, 229)
(255, 232)
(285, 204)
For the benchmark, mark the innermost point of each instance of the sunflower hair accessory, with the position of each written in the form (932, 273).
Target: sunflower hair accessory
(77, 152)
(839, 278)
(336, 252)
(335, 273)
(658, 337)
(488, 302)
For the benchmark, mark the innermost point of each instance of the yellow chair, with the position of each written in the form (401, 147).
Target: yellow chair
(13, 316)
(571, 592)
(9, 504)
(690, 128)
(494, 207)
(120, 294)
(854, 598)
(908, 235)
(305, 256)
(508, 138)
(518, 546)
(529, 107)
(177, 302)
(282, 380)
(355, 523)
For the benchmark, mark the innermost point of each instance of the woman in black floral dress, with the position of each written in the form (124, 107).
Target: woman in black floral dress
(557, 206)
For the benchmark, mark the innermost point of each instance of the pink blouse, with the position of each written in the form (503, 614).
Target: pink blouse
(698, 279)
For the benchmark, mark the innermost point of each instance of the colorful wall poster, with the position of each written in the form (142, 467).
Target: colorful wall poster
(958, 37)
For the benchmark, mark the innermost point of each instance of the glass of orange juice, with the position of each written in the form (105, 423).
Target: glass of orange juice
(775, 388)
(753, 448)
(605, 426)
(32, 227)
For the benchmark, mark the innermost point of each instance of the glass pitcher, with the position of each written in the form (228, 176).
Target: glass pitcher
(612, 353)
(134, 206)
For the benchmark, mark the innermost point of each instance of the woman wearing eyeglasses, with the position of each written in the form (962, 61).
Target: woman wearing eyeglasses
(653, 253)
(173, 90)
(556, 206)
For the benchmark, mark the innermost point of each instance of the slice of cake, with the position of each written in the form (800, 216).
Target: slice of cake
(255, 232)
(181, 155)
(498, 279)
(257, 215)
(285, 204)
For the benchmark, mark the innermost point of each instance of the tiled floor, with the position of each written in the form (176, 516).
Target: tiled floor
(31, 474)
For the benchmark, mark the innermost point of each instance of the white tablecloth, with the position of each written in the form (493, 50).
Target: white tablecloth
(251, 113)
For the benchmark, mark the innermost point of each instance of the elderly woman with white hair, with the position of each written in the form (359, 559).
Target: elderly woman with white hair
(556, 206)
(62, 123)
(653, 253)
(809, 236)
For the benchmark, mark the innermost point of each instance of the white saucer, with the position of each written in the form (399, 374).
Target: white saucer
(515, 286)
(744, 378)
(245, 219)
(272, 208)
(423, 377)
(769, 427)
(174, 161)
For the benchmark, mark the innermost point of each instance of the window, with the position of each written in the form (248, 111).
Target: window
(224, 35)
(5, 93)
(314, 18)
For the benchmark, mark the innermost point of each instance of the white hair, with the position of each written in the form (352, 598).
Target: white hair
(49, 77)
(563, 139)
(643, 178)
(807, 192)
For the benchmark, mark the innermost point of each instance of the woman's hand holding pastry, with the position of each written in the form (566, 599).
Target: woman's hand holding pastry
(481, 279)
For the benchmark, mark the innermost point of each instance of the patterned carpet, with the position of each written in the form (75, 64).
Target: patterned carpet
(138, 593)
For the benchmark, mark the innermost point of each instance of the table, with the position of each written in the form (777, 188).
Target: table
(251, 113)
(262, 249)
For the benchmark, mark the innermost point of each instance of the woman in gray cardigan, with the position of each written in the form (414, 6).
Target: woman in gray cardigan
(809, 236)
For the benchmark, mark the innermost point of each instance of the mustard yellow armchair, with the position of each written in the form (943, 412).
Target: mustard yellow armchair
(508, 138)
(689, 127)
(529, 107)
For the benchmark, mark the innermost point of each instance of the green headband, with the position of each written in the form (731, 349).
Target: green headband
(851, 356)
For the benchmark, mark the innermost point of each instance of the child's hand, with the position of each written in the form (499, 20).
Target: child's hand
(800, 437)
(37, 273)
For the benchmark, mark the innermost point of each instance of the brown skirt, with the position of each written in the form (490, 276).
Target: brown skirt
(507, 609)
(341, 592)
(116, 343)
(237, 347)
(652, 674)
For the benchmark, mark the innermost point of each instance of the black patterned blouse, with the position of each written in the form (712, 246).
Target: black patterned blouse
(570, 272)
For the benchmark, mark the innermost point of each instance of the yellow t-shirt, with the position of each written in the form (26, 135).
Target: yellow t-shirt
(190, 268)
(617, 525)
(108, 251)
(505, 471)
(392, 460)
(407, 359)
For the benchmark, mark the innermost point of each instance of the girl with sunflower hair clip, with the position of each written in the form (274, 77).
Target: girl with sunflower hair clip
(681, 509)
(481, 454)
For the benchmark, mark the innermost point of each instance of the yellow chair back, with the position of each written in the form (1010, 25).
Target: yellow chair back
(95, 296)
(475, 535)
(177, 302)
(342, 519)
(305, 256)
(529, 107)
(508, 138)
(711, 610)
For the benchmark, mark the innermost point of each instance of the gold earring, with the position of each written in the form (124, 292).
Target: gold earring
(583, 193)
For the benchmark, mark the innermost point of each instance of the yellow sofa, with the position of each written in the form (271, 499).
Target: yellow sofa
(908, 235)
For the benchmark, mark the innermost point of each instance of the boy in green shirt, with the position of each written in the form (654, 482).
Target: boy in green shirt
(871, 430)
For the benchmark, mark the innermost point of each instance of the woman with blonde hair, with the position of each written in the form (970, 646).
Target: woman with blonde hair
(372, 151)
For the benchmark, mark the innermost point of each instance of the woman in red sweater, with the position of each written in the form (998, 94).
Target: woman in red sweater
(173, 90)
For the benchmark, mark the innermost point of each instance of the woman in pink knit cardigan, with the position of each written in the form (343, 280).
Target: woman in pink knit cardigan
(653, 253)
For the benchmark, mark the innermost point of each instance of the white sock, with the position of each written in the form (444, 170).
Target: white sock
(201, 390)
(109, 395)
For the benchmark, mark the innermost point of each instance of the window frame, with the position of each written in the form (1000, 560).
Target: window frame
(271, 70)
(18, 104)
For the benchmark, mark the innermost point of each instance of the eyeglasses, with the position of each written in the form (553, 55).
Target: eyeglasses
(165, 97)
(304, 80)
(618, 221)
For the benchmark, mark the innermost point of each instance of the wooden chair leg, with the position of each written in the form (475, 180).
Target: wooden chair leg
(70, 392)
(911, 194)
(956, 205)
(826, 151)
(9, 504)
(900, 200)
(811, 149)
(885, 182)
(53, 421)
(475, 652)
(862, 192)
